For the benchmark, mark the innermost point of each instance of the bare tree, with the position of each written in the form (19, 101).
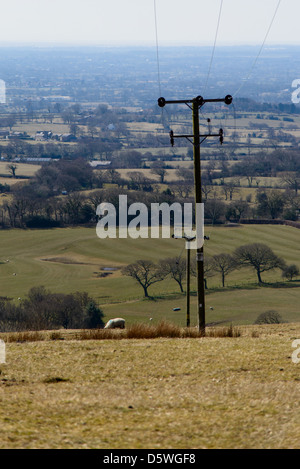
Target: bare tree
(291, 180)
(12, 169)
(229, 188)
(260, 257)
(146, 273)
(214, 210)
(237, 209)
(96, 198)
(139, 180)
(209, 270)
(11, 121)
(270, 203)
(72, 206)
(182, 189)
(160, 170)
(224, 264)
(206, 189)
(186, 175)
(176, 268)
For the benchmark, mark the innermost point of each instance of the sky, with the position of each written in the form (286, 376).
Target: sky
(132, 22)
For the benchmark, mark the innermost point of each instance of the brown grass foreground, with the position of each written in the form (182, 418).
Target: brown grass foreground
(67, 389)
(134, 331)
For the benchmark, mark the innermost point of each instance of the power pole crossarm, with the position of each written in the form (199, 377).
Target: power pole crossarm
(196, 104)
(199, 99)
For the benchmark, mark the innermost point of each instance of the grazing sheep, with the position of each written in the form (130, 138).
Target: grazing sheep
(117, 323)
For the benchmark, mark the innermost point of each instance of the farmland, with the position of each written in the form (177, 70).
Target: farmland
(73, 259)
(66, 388)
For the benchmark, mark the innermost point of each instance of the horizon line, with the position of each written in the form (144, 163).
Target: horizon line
(148, 44)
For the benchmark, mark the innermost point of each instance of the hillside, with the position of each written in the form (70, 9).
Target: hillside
(74, 259)
(216, 393)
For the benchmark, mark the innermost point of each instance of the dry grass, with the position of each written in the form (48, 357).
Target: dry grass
(221, 332)
(99, 334)
(27, 336)
(144, 331)
(169, 330)
(163, 329)
(152, 394)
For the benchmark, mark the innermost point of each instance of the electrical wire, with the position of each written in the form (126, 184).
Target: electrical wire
(214, 46)
(157, 46)
(260, 50)
(211, 62)
(164, 118)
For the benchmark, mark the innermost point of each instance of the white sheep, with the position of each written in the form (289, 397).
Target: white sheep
(117, 323)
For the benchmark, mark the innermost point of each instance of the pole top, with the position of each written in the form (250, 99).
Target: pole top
(199, 100)
(228, 99)
(161, 102)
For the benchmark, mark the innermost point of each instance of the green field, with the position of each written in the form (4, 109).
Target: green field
(69, 260)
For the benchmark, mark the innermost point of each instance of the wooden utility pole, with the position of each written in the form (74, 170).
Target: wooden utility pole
(197, 139)
(198, 200)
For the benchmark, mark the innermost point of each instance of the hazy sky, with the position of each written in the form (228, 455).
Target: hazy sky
(133, 21)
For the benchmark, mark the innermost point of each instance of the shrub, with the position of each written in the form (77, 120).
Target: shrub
(94, 316)
(269, 317)
(290, 272)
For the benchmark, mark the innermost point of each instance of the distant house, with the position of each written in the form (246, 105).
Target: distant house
(4, 133)
(43, 135)
(96, 163)
(33, 160)
(68, 138)
(88, 138)
(38, 160)
(16, 135)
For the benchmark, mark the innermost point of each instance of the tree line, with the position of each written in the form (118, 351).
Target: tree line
(257, 256)
(45, 310)
(68, 192)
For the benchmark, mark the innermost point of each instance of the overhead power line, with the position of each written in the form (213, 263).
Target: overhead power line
(260, 50)
(157, 47)
(214, 47)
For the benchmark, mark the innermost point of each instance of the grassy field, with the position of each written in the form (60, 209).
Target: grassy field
(69, 260)
(212, 393)
(23, 170)
(57, 127)
(170, 176)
